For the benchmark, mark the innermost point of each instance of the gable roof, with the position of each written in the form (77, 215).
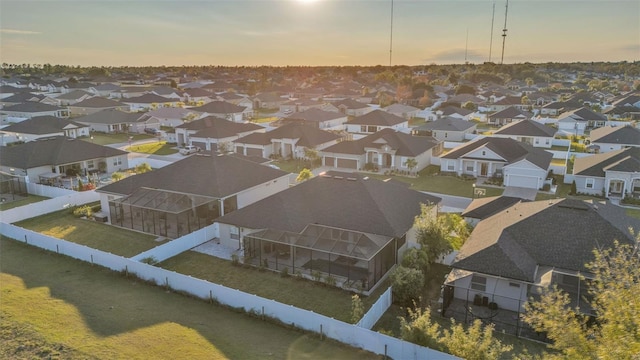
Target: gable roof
(111, 116)
(341, 200)
(308, 136)
(626, 135)
(450, 110)
(350, 104)
(404, 144)
(377, 118)
(511, 150)
(218, 128)
(98, 102)
(626, 160)
(511, 113)
(526, 128)
(21, 97)
(216, 176)
(316, 115)
(40, 125)
(219, 107)
(31, 106)
(515, 241)
(57, 150)
(582, 114)
(73, 95)
(482, 208)
(400, 108)
(448, 123)
(148, 98)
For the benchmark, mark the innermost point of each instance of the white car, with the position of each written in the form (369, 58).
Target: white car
(189, 149)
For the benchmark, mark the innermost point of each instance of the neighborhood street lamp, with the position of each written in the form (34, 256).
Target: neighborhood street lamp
(473, 190)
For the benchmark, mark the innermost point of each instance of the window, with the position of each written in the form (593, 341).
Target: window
(484, 153)
(234, 233)
(589, 183)
(450, 166)
(117, 161)
(90, 164)
(515, 285)
(470, 167)
(547, 141)
(363, 128)
(446, 135)
(479, 283)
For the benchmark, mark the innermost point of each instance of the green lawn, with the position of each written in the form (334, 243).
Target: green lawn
(417, 121)
(106, 139)
(635, 213)
(290, 290)
(63, 225)
(264, 120)
(292, 166)
(155, 148)
(55, 307)
(17, 203)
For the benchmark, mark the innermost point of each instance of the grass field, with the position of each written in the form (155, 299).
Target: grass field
(292, 166)
(106, 139)
(27, 200)
(63, 225)
(264, 120)
(55, 307)
(634, 213)
(288, 290)
(154, 148)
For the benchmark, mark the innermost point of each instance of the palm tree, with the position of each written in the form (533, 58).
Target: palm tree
(411, 163)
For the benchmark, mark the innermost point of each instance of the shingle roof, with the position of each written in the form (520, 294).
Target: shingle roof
(57, 150)
(148, 99)
(22, 97)
(349, 202)
(400, 108)
(377, 118)
(31, 106)
(316, 115)
(526, 128)
(350, 104)
(41, 125)
(448, 123)
(511, 150)
(595, 165)
(219, 107)
(217, 176)
(110, 116)
(73, 95)
(405, 144)
(217, 128)
(582, 114)
(98, 102)
(484, 207)
(626, 135)
(308, 136)
(510, 113)
(450, 110)
(558, 233)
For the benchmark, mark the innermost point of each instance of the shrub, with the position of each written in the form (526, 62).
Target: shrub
(284, 272)
(574, 189)
(316, 275)
(83, 211)
(87, 187)
(630, 200)
(235, 260)
(151, 260)
(330, 280)
(407, 285)
(546, 187)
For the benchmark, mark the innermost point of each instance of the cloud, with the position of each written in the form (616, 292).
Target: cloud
(19, 32)
(454, 55)
(631, 48)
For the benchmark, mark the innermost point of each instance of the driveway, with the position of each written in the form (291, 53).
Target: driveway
(522, 193)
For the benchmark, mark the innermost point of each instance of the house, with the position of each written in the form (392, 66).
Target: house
(401, 110)
(375, 121)
(70, 98)
(386, 149)
(29, 109)
(104, 90)
(447, 129)
(45, 159)
(520, 164)
(610, 138)
(95, 104)
(454, 111)
(507, 102)
(353, 228)
(116, 121)
(321, 119)
(236, 99)
(188, 194)
(210, 131)
(577, 121)
(196, 94)
(529, 132)
(268, 100)
(300, 105)
(558, 107)
(289, 140)
(21, 97)
(615, 174)
(483, 208)
(508, 115)
(149, 101)
(224, 110)
(172, 116)
(39, 127)
(515, 254)
(352, 107)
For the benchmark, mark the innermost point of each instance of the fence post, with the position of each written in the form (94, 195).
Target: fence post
(57, 249)
(263, 313)
(92, 259)
(126, 270)
(25, 239)
(321, 332)
(166, 282)
(210, 297)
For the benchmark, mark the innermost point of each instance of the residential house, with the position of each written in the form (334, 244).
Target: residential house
(195, 95)
(149, 101)
(558, 107)
(529, 132)
(375, 121)
(386, 149)
(210, 131)
(321, 119)
(507, 102)
(519, 164)
(508, 115)
(268, 100)
(301, 105)
(615, 174)
(95, 104)
(172, 116)
(577, 122)
(21, 97)
(29, 109)
(402, 110)
(519, 252)
(69, 98)
(116, 121)
(46, 159)
(188, 194)
(610, 138)
(352, 107)
(224, 110)
(236, 99)
(456, 112)
(39, 127)
(483, 208)
(447, 129)
(104, 90)
(289, 140)
(352, 228)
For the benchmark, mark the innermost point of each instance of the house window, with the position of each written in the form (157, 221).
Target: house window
(589, 183)
(90, 164)
(547, 142)
(234, 233)
(117, 161)
(446, 135)
(470, 168)
(363, 128)
(479, 283)
(450, 166)
(484, 153)
(514, 285)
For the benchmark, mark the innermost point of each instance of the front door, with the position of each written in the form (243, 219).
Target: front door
(387, 160)
(616, 187)
(484, 169)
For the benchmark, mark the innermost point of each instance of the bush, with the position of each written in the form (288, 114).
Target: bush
(407, 285)
(235, 260)
(83, 211)
(330, 280)
(284, 272)
(316, 275)
(630, 200)
(151, 260)
(546, 187)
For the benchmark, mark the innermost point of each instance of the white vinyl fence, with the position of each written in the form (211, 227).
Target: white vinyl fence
(48, 206)
(179, 245)
(308, 320)
(377, 310)
(48, 191)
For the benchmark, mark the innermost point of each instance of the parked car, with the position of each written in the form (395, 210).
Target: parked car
(189, 149)
(152, 131)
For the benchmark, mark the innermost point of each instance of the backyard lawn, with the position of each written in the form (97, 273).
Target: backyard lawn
(106, 139)
(288, 290)
(17, 203)
(154, 148)
(63, 225)
(634, 213)
(79, 311)
(292, 166)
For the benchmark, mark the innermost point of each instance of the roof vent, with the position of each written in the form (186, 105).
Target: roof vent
(352, 179)
(338, 177)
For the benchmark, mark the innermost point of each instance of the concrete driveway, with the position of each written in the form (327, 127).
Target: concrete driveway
(522, 193)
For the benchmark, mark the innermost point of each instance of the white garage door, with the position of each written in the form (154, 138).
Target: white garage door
(523, 181)
(347, 163)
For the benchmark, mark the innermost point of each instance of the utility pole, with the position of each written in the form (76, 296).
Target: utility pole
(391, 37)
(493, 15)
(466, 47)
(504, 31)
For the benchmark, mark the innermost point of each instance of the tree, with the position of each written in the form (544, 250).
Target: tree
(174, 84)
(407, 285)
(117, 176)
(305, 174)
(465, 89)
(432, 234)
(311, 155)
(470, 106)
(411, 163)
(614, 292)
(574, 189)
(142, 168)
(357, 308)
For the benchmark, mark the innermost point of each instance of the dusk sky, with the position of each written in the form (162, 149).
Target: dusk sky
(314, 32)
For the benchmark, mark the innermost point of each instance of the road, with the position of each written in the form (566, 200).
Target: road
(451, 203)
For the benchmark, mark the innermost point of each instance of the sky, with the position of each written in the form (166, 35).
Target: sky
(315, 32)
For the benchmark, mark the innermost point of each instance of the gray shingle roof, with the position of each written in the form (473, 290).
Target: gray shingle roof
(484, 207)
(73, 95)
(595, 165)
(377, 118)
(57, 150)
(308, 136)
(626, 135)
(527, 128)
(582, 114)
(405, 144)
(511, 150)
(371, 206)
(558, 233)
(219, 107)
(315, 115)
(510, 113)
(448, 123)
(31, 106)
(148, 99)
(41, 125)
(217, 176)
(110, 116)
(98, 102)
(217, 128)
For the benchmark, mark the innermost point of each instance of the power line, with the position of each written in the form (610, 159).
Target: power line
(493, 15)
(504, 31)
(391, 37)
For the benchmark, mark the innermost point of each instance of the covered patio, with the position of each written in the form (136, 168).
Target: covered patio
(353, 259)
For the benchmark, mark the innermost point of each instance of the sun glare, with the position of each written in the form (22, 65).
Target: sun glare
(307, 1)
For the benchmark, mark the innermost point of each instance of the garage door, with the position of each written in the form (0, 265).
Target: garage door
(201, 144)
(523, 181)
(348, 163)
(329, 161)
(254, 152)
